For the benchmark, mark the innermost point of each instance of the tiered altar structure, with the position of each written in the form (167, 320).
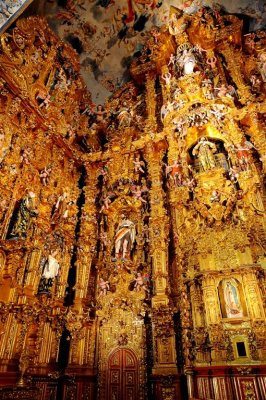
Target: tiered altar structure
(132, 234)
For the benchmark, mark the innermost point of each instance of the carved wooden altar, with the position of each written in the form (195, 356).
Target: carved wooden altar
(132, 252)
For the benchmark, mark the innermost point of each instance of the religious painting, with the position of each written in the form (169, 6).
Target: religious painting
(231, 299)
(10, 10)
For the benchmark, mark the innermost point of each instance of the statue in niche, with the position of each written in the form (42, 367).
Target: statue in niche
(24, 217)
(49, 273)
(60, 209)
(205, 150)
(125, 237)
(232, 301)
(187, 61)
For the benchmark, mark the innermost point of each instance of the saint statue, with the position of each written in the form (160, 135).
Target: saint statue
(187, 61)
(205, 150)
(50, 271)
(124, 237)
(23, 219)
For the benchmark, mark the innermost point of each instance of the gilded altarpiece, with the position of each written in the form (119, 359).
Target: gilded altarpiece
(132, 233)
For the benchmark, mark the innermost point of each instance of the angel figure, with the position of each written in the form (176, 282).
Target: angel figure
(243, 154)
(262, 65)
(167, 78)
(100, 114)
(218, 111)
(106, 199)
(166, 108)
(225, 91)
(103, 240)
(25, 156)
(45, 99)
(104, 172)
(139, 165)
(141, 282)
(175, 169)
(233, 174)
(137, 193)
(103, 287)
(215, 196)
(44, 175)
(172, 60)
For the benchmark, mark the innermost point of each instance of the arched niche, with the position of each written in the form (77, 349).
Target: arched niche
(215, 155)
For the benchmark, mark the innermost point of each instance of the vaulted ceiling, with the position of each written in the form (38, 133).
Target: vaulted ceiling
(107, 33)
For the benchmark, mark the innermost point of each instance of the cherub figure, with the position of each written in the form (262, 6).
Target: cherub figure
(103, 240)
(225, 91)
(172, 60)
(106, 199)
(103, 286)
(140, 282)
(211, 61)
(100, 114)
(104, 172)
(44, 175)
(45, 99)
(24, 156)
(156, 34)
(262, 65)
(190, 184)
(167, 78)
(233, 173)
(218, 110)
(215, 196)
(137, 193)
(175, 169)
(139, 165)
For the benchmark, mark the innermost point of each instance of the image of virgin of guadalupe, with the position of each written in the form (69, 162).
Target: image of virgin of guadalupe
(232, 300)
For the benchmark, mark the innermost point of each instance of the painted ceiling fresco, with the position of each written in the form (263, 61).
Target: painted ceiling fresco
(108, 33)
(10, 10)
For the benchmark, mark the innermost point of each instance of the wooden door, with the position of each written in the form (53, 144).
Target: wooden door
(122, 375)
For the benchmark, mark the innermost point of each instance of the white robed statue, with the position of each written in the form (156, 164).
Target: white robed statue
(49, 273)
(51, 267)
(124, 237)
(187, 61)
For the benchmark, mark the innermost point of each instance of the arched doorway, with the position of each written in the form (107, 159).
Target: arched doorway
(122, 375)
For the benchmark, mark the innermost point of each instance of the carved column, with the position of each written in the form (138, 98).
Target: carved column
(87, 238)
(164, 338)
(210, 300)
(234, 61)
(159, 225)
(150, 126)
(253, 295)
(196, 305)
